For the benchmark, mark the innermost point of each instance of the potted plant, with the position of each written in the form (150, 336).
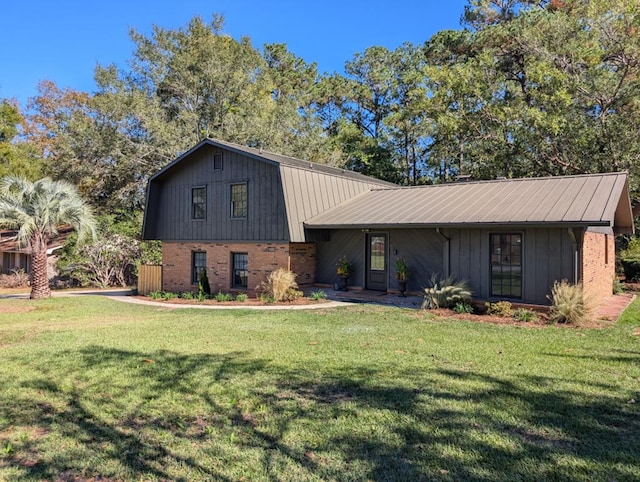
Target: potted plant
(343, 270)
(402, 275)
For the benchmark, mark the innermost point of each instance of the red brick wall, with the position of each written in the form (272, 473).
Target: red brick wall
(303, 262)
(263, 259)
(598, 264)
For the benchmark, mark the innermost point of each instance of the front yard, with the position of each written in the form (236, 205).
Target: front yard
(94, 389)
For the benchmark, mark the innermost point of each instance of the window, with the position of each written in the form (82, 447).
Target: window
(198, 203)
(239, 200)
(240, 262)
(506, 265)
(198, 264)
(217, 161)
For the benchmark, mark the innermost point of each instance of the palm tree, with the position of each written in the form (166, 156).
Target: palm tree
(36, 210)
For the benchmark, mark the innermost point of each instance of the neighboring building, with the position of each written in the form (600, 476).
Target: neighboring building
(240, 213)
(14, 257)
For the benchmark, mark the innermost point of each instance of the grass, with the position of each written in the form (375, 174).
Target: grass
(94, 388)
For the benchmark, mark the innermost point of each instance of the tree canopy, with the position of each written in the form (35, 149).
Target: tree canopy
(526, 88)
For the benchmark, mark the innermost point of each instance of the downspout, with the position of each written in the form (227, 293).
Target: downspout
(446, 254)
(576, 255)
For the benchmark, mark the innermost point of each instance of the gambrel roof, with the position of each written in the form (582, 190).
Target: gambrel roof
(584, 200)
(308, 188)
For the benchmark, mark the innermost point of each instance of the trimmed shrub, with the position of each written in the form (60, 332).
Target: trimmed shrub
(569, 304)
(445, 293)
(241, 297)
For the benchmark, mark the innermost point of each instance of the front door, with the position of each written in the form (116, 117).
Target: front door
(377, 261)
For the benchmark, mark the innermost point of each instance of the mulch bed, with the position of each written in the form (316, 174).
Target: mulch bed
(247, 302)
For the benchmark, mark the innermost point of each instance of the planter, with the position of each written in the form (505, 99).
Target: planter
(341, 285)
(402, 287)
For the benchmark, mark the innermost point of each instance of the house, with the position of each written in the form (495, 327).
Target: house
(240, 213)
(14, 257)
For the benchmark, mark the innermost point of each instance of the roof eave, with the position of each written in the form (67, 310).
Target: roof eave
(458, 225)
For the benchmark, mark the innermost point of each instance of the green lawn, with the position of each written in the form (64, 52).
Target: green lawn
(91, 387)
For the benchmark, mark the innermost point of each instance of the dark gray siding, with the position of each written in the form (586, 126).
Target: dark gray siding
(266, 220)
(422, 249)
(547, 256)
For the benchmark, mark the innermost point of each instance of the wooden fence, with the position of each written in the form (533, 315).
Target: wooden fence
(149, 279)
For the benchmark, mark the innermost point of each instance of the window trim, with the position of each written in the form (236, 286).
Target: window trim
(246, 201)
(193, 204)
(521, 265)
(235, 285)
(195, 273)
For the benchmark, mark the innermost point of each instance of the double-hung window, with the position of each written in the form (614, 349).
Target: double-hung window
(506, 265)
(198, 203)
(240, 262)
(198, 265)
(239, 201)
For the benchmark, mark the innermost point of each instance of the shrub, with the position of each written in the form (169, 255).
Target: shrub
(617, 287)
(523, 314)
(203, 282)
(266, 298)
(318, 295)
(445, 293)
(569, 304)
(220, 297)
(280, 285)
(462, 307)
(17, 279)
(241, 297)
(630, 260)
(168, 295)
(187, 295)
(156, 295)
(500, 308)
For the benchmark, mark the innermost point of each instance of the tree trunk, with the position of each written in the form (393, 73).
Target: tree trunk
(39, 278)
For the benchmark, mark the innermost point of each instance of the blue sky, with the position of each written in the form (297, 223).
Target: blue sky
(64, 40)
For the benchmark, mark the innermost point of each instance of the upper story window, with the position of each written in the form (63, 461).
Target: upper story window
(198, 203)
(217, 161)
(239, 200)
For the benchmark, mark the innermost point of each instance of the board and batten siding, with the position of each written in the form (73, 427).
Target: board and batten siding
(422, 249)
(308, 193)
(266, 217)
(548, 255)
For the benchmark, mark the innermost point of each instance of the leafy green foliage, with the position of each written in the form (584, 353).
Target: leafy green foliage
(318, 295)
(203, 283)
(221, 297)
(445, 293)
(525, 315)
(569, 304)
(241, 297)
(462, 307)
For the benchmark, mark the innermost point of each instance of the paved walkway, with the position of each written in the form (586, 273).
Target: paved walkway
(613, 306)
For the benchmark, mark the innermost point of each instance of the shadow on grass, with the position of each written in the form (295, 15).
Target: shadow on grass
(117, 414)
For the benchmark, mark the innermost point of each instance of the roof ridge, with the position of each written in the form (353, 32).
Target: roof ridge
(505, 180)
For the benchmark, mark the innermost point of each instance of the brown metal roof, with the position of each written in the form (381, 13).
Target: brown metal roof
(588, 200)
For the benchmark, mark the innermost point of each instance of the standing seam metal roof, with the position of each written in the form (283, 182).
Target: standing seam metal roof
(591, 199)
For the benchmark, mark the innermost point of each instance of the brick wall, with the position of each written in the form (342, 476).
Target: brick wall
(303, 262)
(598, 264)
(263, 258)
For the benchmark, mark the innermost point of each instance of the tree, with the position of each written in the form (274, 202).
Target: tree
(17, 158)
(36, 210)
